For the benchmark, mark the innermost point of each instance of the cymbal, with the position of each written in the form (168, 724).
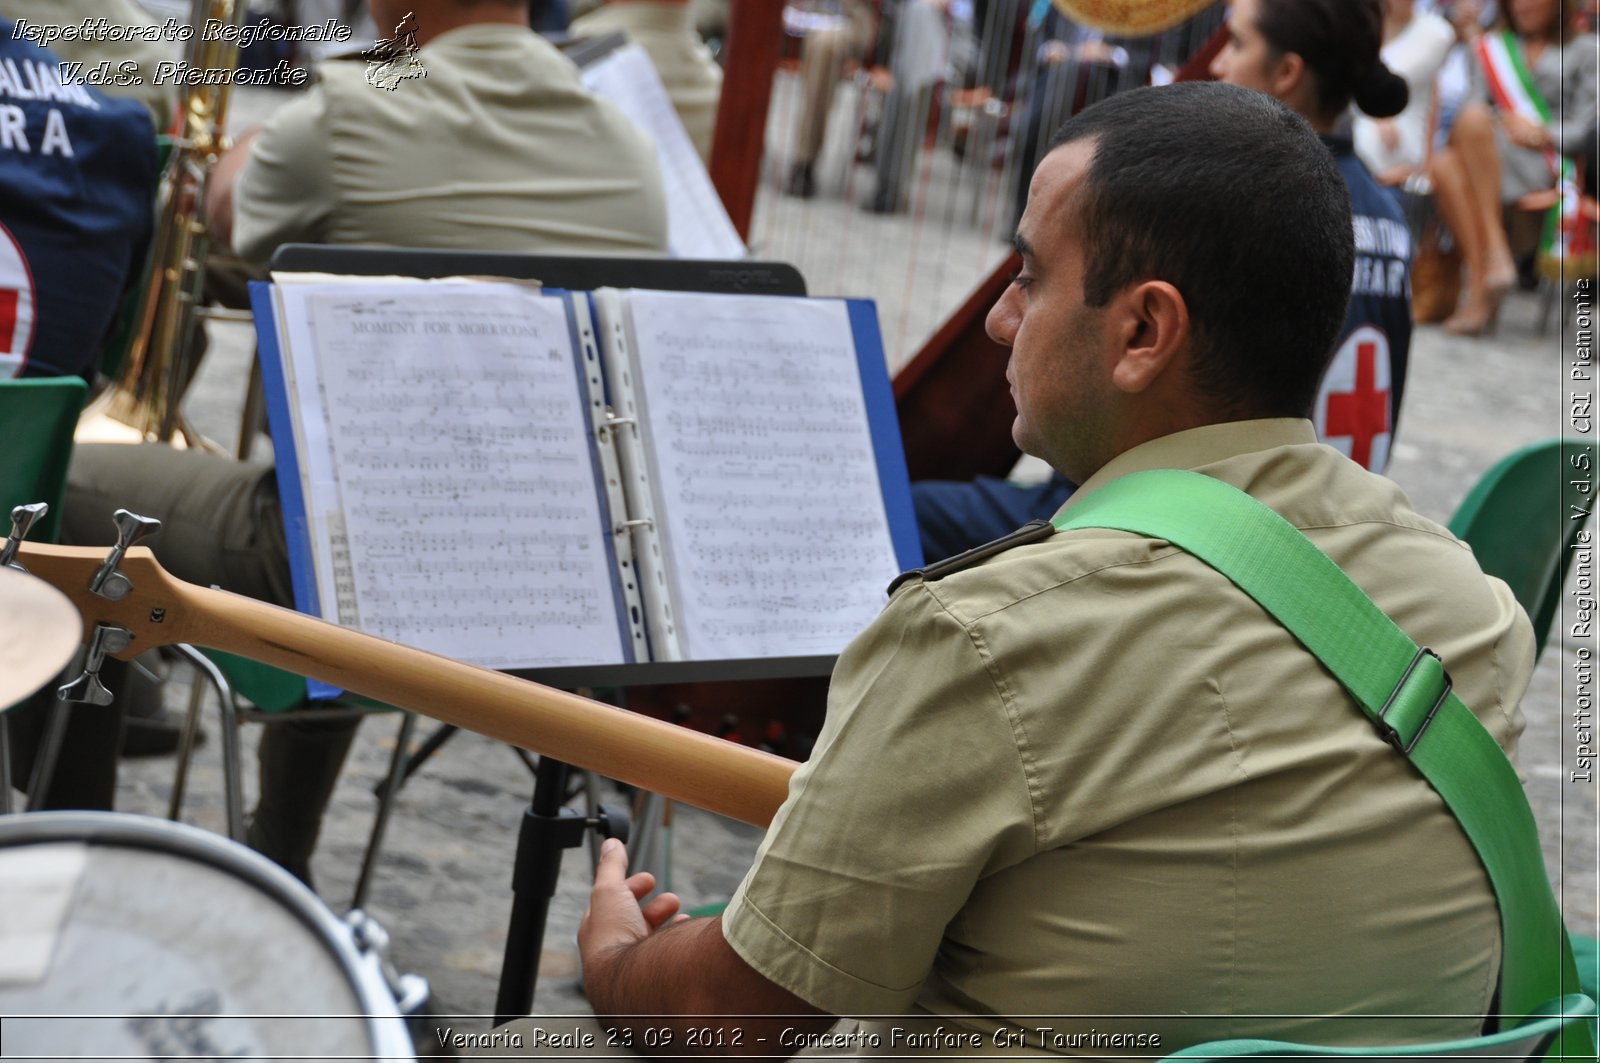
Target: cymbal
(39, 630)
(1131, 18)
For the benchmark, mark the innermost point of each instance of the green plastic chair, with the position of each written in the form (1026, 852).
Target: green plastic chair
(1521, 520)
(37, 418)
(1528, 1041)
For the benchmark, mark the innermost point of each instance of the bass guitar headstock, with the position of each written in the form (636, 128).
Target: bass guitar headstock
(128, 602)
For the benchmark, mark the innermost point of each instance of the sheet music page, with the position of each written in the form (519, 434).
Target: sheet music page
(767, 483)
(446, 440)
(697, 223)
(319, 484)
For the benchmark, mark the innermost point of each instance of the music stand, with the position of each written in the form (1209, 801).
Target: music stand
(547, 828)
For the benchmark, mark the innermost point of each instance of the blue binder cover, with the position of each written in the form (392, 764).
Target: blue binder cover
(884, 423)
(296, 530)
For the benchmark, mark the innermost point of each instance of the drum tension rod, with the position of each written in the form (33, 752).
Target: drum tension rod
(410, 991)
(23, 518)
(108, 582)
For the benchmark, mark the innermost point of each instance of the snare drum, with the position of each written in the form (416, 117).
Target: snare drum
(128, 937)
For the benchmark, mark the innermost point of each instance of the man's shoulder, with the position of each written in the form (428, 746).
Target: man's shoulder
(638, 20)
(1036, 559)
(607, 18)
(1356, 516)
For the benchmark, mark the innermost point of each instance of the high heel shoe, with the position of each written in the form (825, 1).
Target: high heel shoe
(1502, 278)
(1477, 318)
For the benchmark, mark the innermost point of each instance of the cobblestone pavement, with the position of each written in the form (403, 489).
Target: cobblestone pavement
(442, 885)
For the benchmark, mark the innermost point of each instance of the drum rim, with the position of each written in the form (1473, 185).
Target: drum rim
(383, 1018)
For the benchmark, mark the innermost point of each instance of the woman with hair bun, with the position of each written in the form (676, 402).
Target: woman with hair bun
(1317, 57)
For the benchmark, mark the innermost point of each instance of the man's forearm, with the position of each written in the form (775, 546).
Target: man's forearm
(653, 976)
(684, 991)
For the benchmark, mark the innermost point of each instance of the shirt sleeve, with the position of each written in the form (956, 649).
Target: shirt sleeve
(285, 191)
(917, 788)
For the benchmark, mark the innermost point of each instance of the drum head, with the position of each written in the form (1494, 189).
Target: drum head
(129, 937)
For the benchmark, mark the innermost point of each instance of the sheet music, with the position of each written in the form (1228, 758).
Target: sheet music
(767, 483)
(446, 439)
(697, 223)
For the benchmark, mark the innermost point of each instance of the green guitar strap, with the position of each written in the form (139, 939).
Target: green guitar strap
(1402, 688)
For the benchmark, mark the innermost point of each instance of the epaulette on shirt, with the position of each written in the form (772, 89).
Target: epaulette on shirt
(1031, 532)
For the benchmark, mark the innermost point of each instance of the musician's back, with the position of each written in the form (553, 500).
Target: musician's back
(1175, 814)
(495, 146)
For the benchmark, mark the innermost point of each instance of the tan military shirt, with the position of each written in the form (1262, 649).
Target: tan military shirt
(666, 32)
(146, 83)
(1091, 787)
(498, 148)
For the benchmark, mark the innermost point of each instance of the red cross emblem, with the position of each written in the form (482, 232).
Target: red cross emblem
(16, 306)
(1355, 398)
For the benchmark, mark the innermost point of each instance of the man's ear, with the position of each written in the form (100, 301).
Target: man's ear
(1286, 74)
(1152, 328)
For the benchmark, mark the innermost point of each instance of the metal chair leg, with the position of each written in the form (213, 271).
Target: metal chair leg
(380, 823)
(227, 709)
(186, 741)
(647, 847)
(5, 765)
(49, 751)
(253, 419)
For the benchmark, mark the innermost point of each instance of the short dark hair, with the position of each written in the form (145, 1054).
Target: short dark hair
(1339, 41)
(1229, 196)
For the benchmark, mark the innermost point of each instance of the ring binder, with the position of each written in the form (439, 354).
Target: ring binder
(452, 438)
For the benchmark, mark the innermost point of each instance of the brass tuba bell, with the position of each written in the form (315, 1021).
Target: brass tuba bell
(162, 356)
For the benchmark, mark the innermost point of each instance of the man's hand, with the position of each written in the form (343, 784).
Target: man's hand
(615, 918)
(658, 977)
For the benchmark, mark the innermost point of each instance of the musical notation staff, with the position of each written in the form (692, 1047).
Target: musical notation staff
(776, 530)
(466, 489)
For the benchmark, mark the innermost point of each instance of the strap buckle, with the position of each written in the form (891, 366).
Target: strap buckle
(1388, 731)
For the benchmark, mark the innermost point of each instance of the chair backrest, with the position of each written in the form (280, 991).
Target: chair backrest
(1522, 518)
(1528, 1041)
(37, 418)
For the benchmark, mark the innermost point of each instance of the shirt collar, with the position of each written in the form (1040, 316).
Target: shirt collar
(1195, 447)
(476, 34)
(641, 14)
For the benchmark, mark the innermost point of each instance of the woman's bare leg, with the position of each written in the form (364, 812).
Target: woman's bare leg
(1472, 136)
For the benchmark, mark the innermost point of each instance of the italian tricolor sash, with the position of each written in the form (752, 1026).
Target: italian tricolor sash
(1568, 242)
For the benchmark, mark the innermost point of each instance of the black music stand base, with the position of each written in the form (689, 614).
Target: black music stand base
(547, 830)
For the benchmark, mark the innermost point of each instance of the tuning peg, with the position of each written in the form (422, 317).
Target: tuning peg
(108, 638)
(108, 582)
(23, 519)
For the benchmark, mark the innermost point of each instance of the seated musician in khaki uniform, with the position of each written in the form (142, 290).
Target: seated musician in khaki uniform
(495, 146)
(665, 30)
(1086, 777)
